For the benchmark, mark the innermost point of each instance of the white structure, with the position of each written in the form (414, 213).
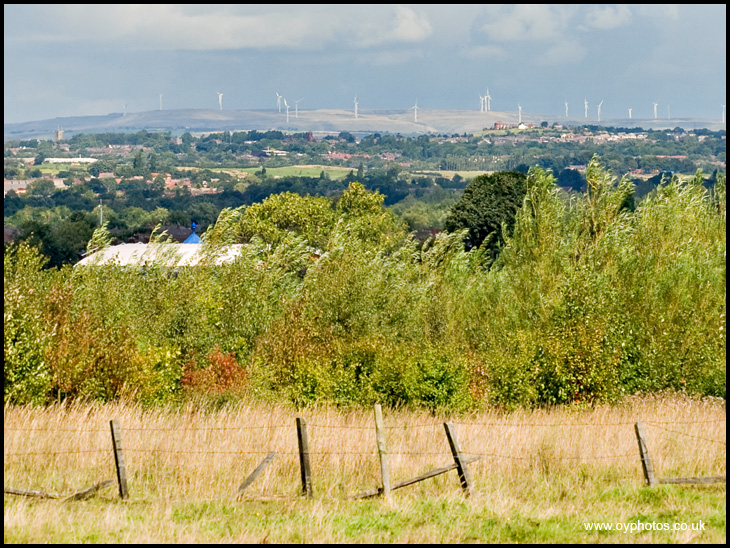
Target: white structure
(414, 108)
(220, 101)
(585, 105)
(287, 111)
(355, 100)
(519, 114)
(599, 110)
(296, 108)
(71, 160)
(630, 113)
(566, 109)
(655, 105)
(278, 100)
(160, 101)
(168, 255)
(488, 98)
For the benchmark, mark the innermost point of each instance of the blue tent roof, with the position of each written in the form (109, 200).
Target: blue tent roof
(192, 239)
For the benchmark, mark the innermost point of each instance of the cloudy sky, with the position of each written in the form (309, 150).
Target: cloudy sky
(67, 60)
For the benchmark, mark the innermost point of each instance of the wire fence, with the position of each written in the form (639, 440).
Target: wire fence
(484, 444)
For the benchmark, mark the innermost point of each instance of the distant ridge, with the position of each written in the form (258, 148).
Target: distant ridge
(319, 121)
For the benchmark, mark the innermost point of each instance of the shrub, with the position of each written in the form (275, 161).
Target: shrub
(221, 373)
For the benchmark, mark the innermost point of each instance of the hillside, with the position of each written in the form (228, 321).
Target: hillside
(317, 121)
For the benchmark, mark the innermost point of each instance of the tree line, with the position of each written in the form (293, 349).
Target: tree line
(572, 300)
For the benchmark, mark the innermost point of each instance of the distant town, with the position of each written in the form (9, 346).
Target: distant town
(138, 180)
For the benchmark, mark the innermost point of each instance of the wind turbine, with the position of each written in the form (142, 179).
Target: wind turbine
(278, 100)
(481, 103)
(599, 110)
(287, 110)
(296, 108)
(566, 109)
(630, 109)
(488, 98)
(125, 109)
(220, 100)
(414, 108)
(655, 105)
(585, 106)
(160, 101)
(519, 115)
(355, 101)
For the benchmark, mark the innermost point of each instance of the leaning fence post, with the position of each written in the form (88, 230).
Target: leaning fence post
(119, 458)
(304, 457)
(461, 465)
(644, 453)
(382, 451)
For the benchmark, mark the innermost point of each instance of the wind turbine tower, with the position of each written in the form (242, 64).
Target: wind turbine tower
(160, 101)
(278, 100)
(287, 111)
(655, 105)
(566, 109)
(296, 108)
(630, 109)
(519, 114)
(488, 98)
(585, 106)
(414, 108)
(599, 110)
(482, 99)
(220, 100)
(125, 109)
(355, 101)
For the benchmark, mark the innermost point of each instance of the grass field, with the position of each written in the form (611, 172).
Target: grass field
(334, 172)
(449, 174)
(544, 475)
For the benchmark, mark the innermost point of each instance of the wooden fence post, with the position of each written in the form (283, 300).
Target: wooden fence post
(461, 465)
(256, 473)
(644, 453)
(304, 457)
(382, 451)
(119, 459)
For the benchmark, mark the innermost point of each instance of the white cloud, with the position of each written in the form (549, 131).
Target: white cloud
(564, 51)
(525, 22)
(410, 27)
(670, 11)
(214, 27)
(606, 17)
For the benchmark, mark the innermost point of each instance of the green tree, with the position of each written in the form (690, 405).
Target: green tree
(41, 187)
(486, 208)
(280, 214)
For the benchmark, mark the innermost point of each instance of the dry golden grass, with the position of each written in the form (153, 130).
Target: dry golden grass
(545, 473)
(189, 453)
